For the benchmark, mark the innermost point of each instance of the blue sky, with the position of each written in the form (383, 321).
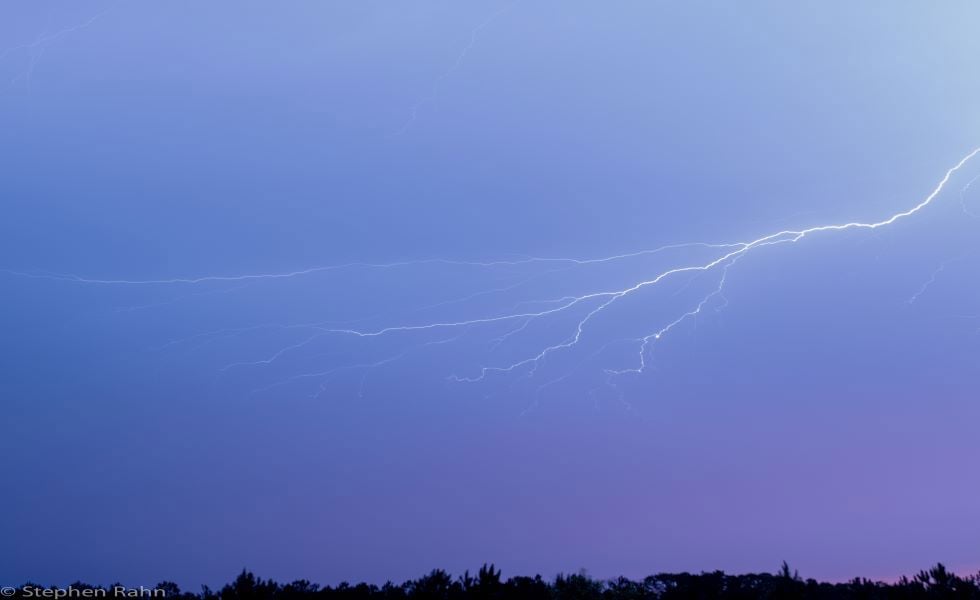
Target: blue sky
(820, 410)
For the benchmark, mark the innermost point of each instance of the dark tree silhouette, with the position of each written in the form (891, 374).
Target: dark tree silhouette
(937, 583)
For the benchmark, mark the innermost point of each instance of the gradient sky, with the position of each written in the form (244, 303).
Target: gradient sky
(823, 412)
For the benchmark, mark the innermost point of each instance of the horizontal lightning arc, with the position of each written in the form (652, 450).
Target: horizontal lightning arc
(741, 246)
(361, 265)
(781, 237)
(592, 304)
(784, 236)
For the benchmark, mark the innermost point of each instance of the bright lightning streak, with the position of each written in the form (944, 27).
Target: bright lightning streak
(610, 297)
(584, 308)
(646, 340)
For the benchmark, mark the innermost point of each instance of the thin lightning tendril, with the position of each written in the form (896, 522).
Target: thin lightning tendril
(963, 201)
(531, 260)
(37, 48)
(434, 91)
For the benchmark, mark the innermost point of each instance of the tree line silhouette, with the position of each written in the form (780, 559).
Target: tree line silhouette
(487, 584)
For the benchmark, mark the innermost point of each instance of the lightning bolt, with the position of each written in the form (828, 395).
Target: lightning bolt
(584, 309)
(647, 340)
(602, 300)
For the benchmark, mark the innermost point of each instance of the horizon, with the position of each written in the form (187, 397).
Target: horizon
(162, 587)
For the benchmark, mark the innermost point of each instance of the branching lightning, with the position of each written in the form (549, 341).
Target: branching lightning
(602, 300)
(582, 310)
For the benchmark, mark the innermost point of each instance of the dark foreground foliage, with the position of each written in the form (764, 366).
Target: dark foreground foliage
(487, 584)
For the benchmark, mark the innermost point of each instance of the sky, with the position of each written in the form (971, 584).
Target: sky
(354, 290)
